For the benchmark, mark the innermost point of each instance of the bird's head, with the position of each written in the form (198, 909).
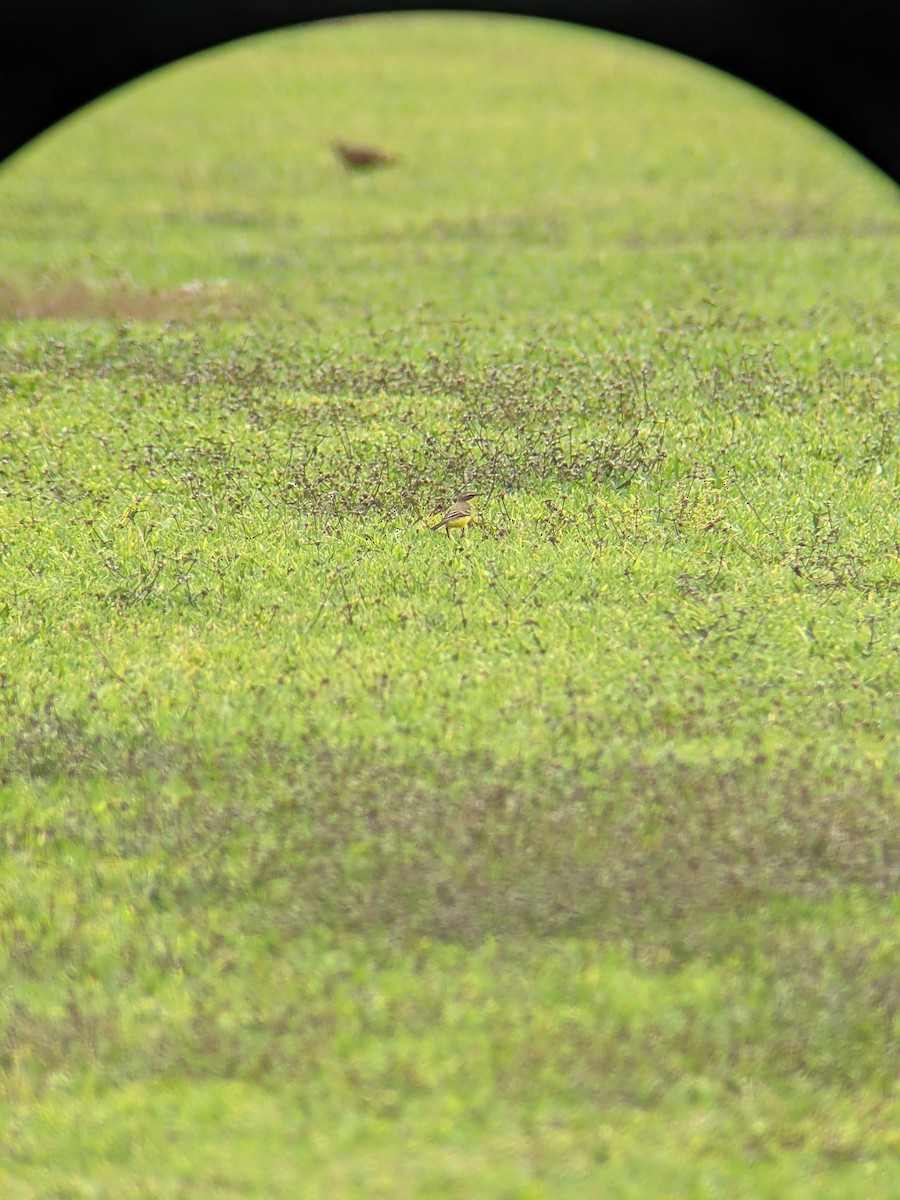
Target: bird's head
(466, 496)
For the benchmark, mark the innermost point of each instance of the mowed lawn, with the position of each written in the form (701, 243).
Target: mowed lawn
(343, 858)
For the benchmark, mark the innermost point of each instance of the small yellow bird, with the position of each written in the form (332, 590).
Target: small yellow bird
(459, 514)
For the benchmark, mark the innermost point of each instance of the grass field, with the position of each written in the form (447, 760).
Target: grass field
(342, 858)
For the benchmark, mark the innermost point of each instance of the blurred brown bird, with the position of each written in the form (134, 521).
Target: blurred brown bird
(357, 157)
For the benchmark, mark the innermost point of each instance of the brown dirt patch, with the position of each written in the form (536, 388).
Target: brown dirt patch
(61, 300)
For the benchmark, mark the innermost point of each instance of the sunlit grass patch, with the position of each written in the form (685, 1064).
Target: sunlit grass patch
(343, 857)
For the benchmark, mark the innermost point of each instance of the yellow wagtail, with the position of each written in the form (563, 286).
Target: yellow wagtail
(459, 514)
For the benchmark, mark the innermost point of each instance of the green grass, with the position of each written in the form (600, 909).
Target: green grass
(341, 858)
